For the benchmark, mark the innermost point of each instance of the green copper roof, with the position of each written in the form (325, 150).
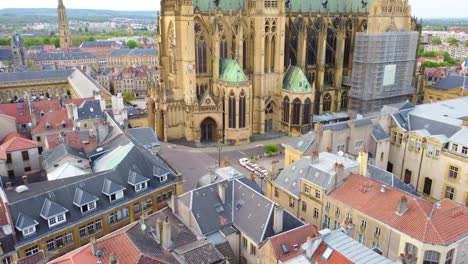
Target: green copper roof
(224, 5)
(332, 6)
(230, 71)
(295, 81)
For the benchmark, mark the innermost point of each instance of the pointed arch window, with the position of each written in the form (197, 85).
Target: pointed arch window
(331, 47)
(306, 112)
(347, 49)
(232, 110)
(327, 102)
(344, 100)
(200, 50)
(296, 111)
(223, 43)
(286, 109)
(242, 113)
(311, 47)
(171, 49)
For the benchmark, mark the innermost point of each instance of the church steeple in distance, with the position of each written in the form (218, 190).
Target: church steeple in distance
(63, 29)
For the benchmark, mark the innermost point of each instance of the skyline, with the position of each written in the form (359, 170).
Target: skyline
(420, 8)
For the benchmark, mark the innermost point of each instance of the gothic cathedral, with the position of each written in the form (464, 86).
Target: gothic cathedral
(63, 29)
(234, 68)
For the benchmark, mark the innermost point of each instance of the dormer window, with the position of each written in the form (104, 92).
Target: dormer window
(88, 207)
(26, 224)
(53, 213)
(29, 231)
(42, 113)
(160, 173)
(138, 182)
(47, 125)
(64, 124)
(141, 186)
(113, 190)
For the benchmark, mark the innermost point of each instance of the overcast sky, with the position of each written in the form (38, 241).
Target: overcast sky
(420, 8)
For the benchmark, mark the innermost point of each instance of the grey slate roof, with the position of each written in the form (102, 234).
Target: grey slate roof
(100, 44)
(200, 251)
(135, 178)
(23, 221)
(51, 56)
(51, 208)
(63, 151)
(389, 179)
(362, 122)
(90, 109)
(302, 144)
(451, 82)
(461, 137)
(244, 208)
(31, 201)
(134, 52)
(145, 136)
(34, 75)
(6, 55)
(378, 133)
(81, 197)
(109, 187)
(353, 250)
(335, 126)
(159, 171)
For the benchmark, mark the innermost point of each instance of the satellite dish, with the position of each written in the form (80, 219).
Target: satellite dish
(340, 153)
(143, 227)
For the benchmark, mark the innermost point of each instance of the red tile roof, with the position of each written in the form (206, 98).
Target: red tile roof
(17, 110)
(296, 237)
(37, 258)
(73, 139)
(55, 120)
(335, 258)
(15, 142)
(441, 223)
(435, 72)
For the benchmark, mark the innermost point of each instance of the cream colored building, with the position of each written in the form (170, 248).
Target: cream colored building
(297, 55)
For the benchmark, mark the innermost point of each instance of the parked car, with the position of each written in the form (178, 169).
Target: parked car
(244, 161)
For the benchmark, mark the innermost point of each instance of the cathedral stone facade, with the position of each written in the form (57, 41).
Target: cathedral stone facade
(63, 28)
(234, 68)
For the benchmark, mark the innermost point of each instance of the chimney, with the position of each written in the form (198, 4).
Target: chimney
(275, 167)
(173, 204)
(166, 240)
(362, 159)
(158, 230)
(72, 111)
(314, 157)
(278, 219)
(339, 176)
(25, 180)
(113, 260)
(94, 247)
(222, 192)
(402, 205)
(9, 186)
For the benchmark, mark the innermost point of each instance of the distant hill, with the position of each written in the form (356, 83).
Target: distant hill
(86, 14)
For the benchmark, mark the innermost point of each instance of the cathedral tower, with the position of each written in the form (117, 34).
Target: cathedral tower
(63, 29)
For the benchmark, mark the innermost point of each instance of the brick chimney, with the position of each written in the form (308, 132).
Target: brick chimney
(278, 212)
(402, 205)
(25, 180)
(222, 192)
(314, 157)
(94, 247)
(362, 159)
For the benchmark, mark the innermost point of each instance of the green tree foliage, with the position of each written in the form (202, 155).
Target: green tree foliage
(466, 44)
(128, 97)
(431, 64)
(91, 39)
(436, 41)
(429, 54)
(4, 41)
(131, 44)
(452, 41)
(271, 148)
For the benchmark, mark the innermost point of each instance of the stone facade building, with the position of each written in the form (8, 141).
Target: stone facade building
(64, 30)
(271, 40)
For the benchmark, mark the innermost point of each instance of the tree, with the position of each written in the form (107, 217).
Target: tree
(452, 41)
(466, 44)
(436, 41)
(80, 30)
(132, 44)
(128, 96)
(91, 39)
(86, 29)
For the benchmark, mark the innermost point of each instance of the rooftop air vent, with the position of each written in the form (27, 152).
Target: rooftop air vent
(21, 189)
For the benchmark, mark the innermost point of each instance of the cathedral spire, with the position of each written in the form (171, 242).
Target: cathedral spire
(60, 4)
(63, 29)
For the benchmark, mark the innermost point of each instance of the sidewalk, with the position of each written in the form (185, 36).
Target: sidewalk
(251, 145)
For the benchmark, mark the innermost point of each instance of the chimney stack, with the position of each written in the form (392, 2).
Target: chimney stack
(362, 159)
(9, 185)
(158, 230)
(275, 167)
(317, 126)
(166, 238)
(222, 192)
(278, 212)
(402, 205)
(94, 247)
(25, 180)
(72, 111)
(340, 174)
(314, 157)
(173, 204)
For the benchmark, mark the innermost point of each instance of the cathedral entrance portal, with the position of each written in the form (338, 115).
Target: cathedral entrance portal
(208, 130)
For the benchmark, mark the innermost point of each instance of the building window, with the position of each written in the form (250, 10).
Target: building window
(431, 257)
(116, 196)
(232, 110)
(362, 239)
(327, 102)
(291, 202)
(363, 225)
(429, 149)
(316, 213)
(98, 224)
(69, 238)
(306, 112)
(29, 230)
(50, 245)
(286, 110)
(317, 194)
(59, 242)
(111, 219)
(453, 173)
(418, 145)
(25, 155)
(449, 192)
(91, 228)
(359, 144)
(344, 100)
(327, 206)
(242, 107)
(454, 147)
(32, 250)
(377, 231)
(337, 212)
(400, 139)
(136, 207)
(394, 136)
(326, 222)
(244, 242)
(8, 158)
(276, 192)
(340, 148)
(7, 260)
(141, 186)
(304, 206)
(449, 258)
(336, 225)
(412, 143)
(88, 207)
(306, 189)
(296, 111)
(375, 244)
(82, 231)
(437, 151)
(464, 150)
(411, 251)
(253, 250)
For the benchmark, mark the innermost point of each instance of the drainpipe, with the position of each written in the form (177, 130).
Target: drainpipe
(388, 242)
(420, 165)
(404, 155)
